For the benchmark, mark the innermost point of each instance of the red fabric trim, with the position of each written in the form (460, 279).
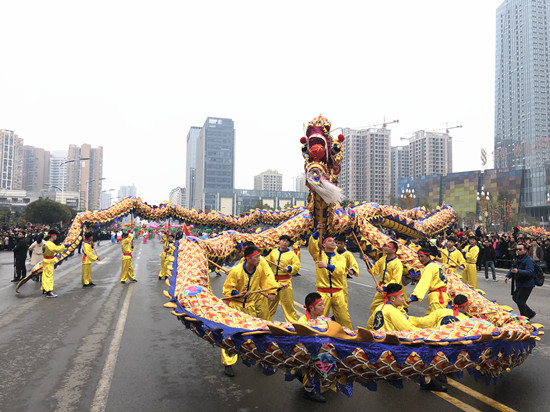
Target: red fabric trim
(328, 290)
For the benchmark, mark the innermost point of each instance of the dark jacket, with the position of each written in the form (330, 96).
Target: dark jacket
(488, 254)
(21, 248)
(525, 278)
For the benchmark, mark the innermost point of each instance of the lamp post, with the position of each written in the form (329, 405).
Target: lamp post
(408, 196)
(483, 200)
(65, 182)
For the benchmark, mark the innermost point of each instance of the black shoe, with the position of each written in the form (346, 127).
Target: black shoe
(85, 286)
(133, 280)
(91, 284)
(229, 371)
(432, 386)
(15, 280)
(532, 316)
(297, 274)
(314, 396)
(122, 281)
(349, 276)
(50, 295)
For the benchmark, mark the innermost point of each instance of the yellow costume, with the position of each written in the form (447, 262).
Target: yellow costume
(387, 317)
(434, 282)
(127, 271)
(169, 260)
(351, 263)
(239, 281)
(437, 318)
(164, 240)
(87, 260)
(469, 274)
(288, 260)
(452, 259)
(50, 250)
(329, 282)
(387, 271)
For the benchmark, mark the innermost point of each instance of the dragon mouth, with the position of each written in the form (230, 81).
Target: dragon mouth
(317, 146)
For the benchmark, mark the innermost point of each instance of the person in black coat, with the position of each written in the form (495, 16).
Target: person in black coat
(20, 256)
(523, 280)
(488, 257)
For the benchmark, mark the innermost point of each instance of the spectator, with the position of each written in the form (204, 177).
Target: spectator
(488, 257)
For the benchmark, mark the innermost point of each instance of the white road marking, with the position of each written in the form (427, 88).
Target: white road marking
(102, 392)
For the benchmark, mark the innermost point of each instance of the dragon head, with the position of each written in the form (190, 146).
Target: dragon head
(322, 156)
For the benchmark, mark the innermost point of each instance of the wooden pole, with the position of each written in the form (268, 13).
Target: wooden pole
(219, 267)
(365, 258)
(254, 291)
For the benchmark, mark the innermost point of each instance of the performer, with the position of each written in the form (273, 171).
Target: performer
(432, 281)
(50, 250)
(389, 317)
(330, 270)
(165, 243)
(87, 260)
(127, 271)
(351, 264)
(166, 261)
(458, 311)
(287, 259)
(388, 269)
(242, 280)
(471, 252)
(451, 256)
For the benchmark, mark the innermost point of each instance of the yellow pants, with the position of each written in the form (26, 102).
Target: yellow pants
(86, 273)
(433, 301)
(286, 297)
(345, 290)
(469, 274)
(127, 271)
(47, 276)
(337, 303)
(162, 272)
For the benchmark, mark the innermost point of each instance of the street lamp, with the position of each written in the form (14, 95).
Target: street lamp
(483, 199)
(58, 188)
(408, 196)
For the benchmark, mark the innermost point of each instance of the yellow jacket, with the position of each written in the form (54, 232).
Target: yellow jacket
(88, 252)
(127, 248)
(388, 271)
(451, 258)
(239, 281)
(334, 275)
(50, 250)
(351, 263)
(432, 278)
(287, 259)
(391, 319)
(471, 253)
(437, 318)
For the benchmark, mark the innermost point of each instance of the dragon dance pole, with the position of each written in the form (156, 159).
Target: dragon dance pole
(365, 258)
(219, 267)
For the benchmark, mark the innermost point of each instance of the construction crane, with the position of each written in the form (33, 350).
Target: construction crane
(380, 124)
(447, 128)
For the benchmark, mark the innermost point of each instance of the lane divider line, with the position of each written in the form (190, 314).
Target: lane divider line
(456, 402)
(479, 396)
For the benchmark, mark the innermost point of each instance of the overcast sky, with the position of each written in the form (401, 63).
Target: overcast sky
(134, 76)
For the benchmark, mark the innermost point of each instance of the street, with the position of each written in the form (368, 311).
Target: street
(115, 347)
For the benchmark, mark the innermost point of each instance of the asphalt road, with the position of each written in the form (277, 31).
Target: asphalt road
(115, 348)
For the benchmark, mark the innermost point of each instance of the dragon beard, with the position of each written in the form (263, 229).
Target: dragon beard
(329, 192)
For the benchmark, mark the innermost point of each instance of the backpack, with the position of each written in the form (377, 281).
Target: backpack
(539, 275)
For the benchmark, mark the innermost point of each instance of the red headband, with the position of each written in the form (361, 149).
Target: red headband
(252, 254)
(424, 253)
(325, 241)
(386, 295)
(307, 308)
(455, 308)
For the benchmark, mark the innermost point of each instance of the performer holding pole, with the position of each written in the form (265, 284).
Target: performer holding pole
(50, 250)
(87, 259)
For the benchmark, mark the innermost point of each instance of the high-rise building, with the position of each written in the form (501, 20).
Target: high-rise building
(522, 96)
(177, 196)
(430, 153)
(36, 167)
(269, 180)
(191, 165)
(85, 176)
(400, 168)
(59, 170)
(126, 191)
(300, 183)
(11, 160)
(215, 167)
(365, 174)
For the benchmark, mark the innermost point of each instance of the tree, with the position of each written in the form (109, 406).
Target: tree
(47, 211)
(260, 205)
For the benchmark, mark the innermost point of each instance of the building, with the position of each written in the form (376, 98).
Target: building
(300, 183)
(106, 199)
(191, 165)
(270, 180)
(177, 196)
(430, 153)
(242, 200)
(215, 163)
(36, 167)
(522, 96)
(59, 170)
(11, 160)
(365, 174)
(400, 168)
(125, 191)
(85, 173)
